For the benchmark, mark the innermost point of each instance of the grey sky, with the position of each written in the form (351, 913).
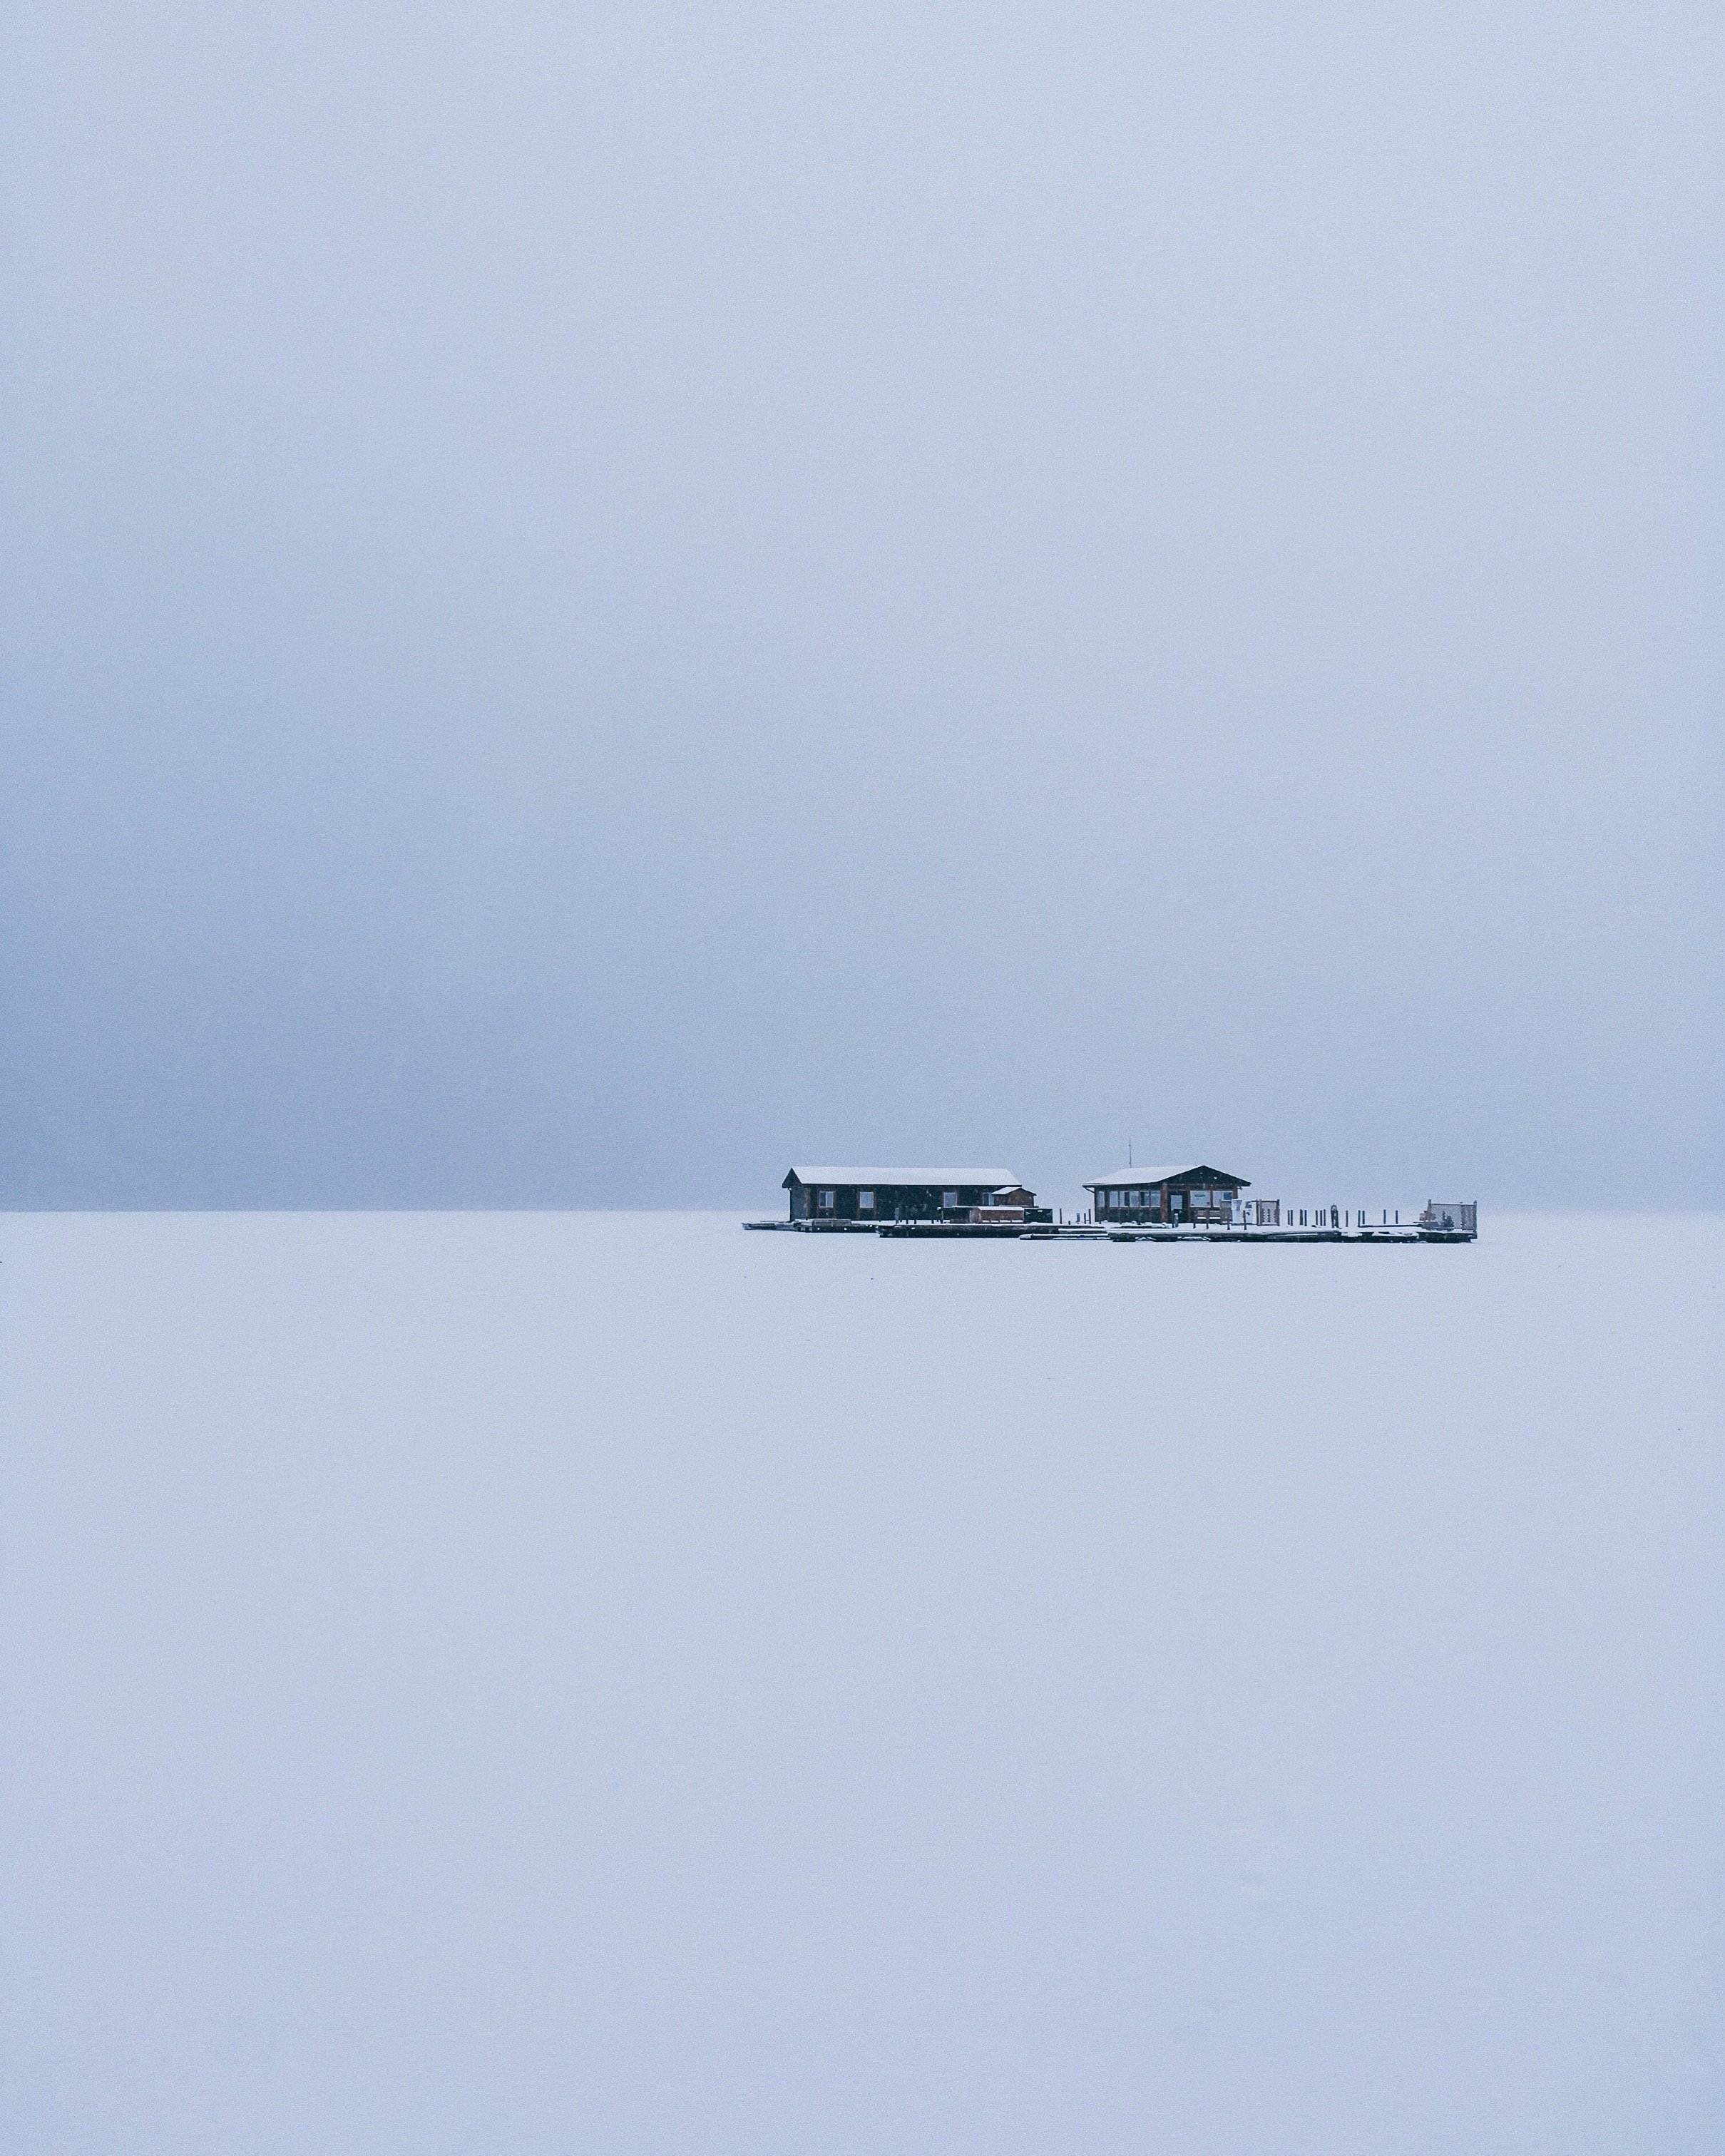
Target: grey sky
(597, 600)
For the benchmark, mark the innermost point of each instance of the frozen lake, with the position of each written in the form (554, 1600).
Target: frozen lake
(612, 1683)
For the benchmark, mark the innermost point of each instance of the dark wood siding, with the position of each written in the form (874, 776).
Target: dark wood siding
(893, 1201)
(1156, 1202)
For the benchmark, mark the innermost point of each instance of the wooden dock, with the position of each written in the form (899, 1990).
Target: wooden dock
(948, 1231)
(1400, 1233)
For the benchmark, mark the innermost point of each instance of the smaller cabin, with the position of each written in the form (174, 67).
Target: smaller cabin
(870, 1195)
(1198, 1195)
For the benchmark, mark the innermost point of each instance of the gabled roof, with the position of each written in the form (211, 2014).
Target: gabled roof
(910, 1178)
(1132, 1178)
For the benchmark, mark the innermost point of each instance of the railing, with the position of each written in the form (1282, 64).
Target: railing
(1444, 1217)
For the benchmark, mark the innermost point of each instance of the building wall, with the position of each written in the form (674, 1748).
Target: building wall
(892, 1201)
(1159, 1209)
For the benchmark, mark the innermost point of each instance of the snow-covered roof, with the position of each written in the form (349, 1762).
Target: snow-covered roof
(1131, 1177)
(911, 1179)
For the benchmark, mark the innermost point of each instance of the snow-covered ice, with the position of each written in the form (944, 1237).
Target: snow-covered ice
(612, 1683)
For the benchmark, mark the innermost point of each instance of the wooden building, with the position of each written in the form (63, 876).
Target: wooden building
(1169, 1196)
(869, 1195)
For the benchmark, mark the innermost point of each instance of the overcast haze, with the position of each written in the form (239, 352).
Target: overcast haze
(597, 600)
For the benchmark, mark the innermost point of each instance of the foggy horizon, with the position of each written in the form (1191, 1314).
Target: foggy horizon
(597, 605)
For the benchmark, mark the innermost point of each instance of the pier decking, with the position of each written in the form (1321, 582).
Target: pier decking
(1097, 1232)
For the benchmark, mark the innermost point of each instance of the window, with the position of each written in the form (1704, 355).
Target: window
(949, 1201)
(865, 1201)
(826, 1201)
